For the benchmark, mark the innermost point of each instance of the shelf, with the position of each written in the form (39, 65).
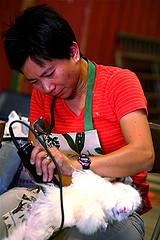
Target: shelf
(141, 55)
(152, 95)
(137, 56)
(148, 76)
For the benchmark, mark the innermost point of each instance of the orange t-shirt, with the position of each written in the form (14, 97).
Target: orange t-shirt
(116, 92)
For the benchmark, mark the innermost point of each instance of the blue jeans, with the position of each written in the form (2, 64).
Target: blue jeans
(131, 228)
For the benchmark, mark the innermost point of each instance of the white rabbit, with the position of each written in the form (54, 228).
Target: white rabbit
(90, 203)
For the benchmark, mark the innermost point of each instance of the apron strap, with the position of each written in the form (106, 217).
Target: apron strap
(88, 124)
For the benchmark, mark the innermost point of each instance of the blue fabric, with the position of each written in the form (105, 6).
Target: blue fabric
(9, 162)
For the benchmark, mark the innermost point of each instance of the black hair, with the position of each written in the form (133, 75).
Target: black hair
(40, 33)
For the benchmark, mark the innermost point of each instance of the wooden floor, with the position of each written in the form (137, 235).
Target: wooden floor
(151, 217)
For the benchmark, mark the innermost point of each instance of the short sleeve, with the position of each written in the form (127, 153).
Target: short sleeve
(125, 93)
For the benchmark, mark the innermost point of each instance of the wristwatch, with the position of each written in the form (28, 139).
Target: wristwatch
(84, 161)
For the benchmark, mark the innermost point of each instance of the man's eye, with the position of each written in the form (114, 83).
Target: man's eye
(50, 75)
(34, 82)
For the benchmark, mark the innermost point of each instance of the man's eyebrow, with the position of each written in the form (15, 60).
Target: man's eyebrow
(46, 71)
(43, 74)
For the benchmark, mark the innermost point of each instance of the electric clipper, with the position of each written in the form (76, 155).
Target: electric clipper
(24, 153)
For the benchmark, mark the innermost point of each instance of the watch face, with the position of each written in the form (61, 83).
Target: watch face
(84, 161)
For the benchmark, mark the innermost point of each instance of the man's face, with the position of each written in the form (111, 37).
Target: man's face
(58, 77)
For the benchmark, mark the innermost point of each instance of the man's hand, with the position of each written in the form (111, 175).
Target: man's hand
(45, 166)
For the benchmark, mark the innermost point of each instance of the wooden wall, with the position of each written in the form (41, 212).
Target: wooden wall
(111, 16)
(96, 24)
(7, 9)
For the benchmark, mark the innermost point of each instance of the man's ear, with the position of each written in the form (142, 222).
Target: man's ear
(75, 52)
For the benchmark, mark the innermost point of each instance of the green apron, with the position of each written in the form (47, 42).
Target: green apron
(74, 144)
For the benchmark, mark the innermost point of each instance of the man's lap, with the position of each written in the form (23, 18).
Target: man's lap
(131, 228)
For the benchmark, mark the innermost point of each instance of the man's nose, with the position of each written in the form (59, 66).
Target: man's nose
(48, 87)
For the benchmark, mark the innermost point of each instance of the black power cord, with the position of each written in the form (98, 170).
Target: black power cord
(39, 124)
(52, 117)
(50, 155)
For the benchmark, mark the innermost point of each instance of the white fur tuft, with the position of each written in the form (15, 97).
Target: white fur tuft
(90, 203)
